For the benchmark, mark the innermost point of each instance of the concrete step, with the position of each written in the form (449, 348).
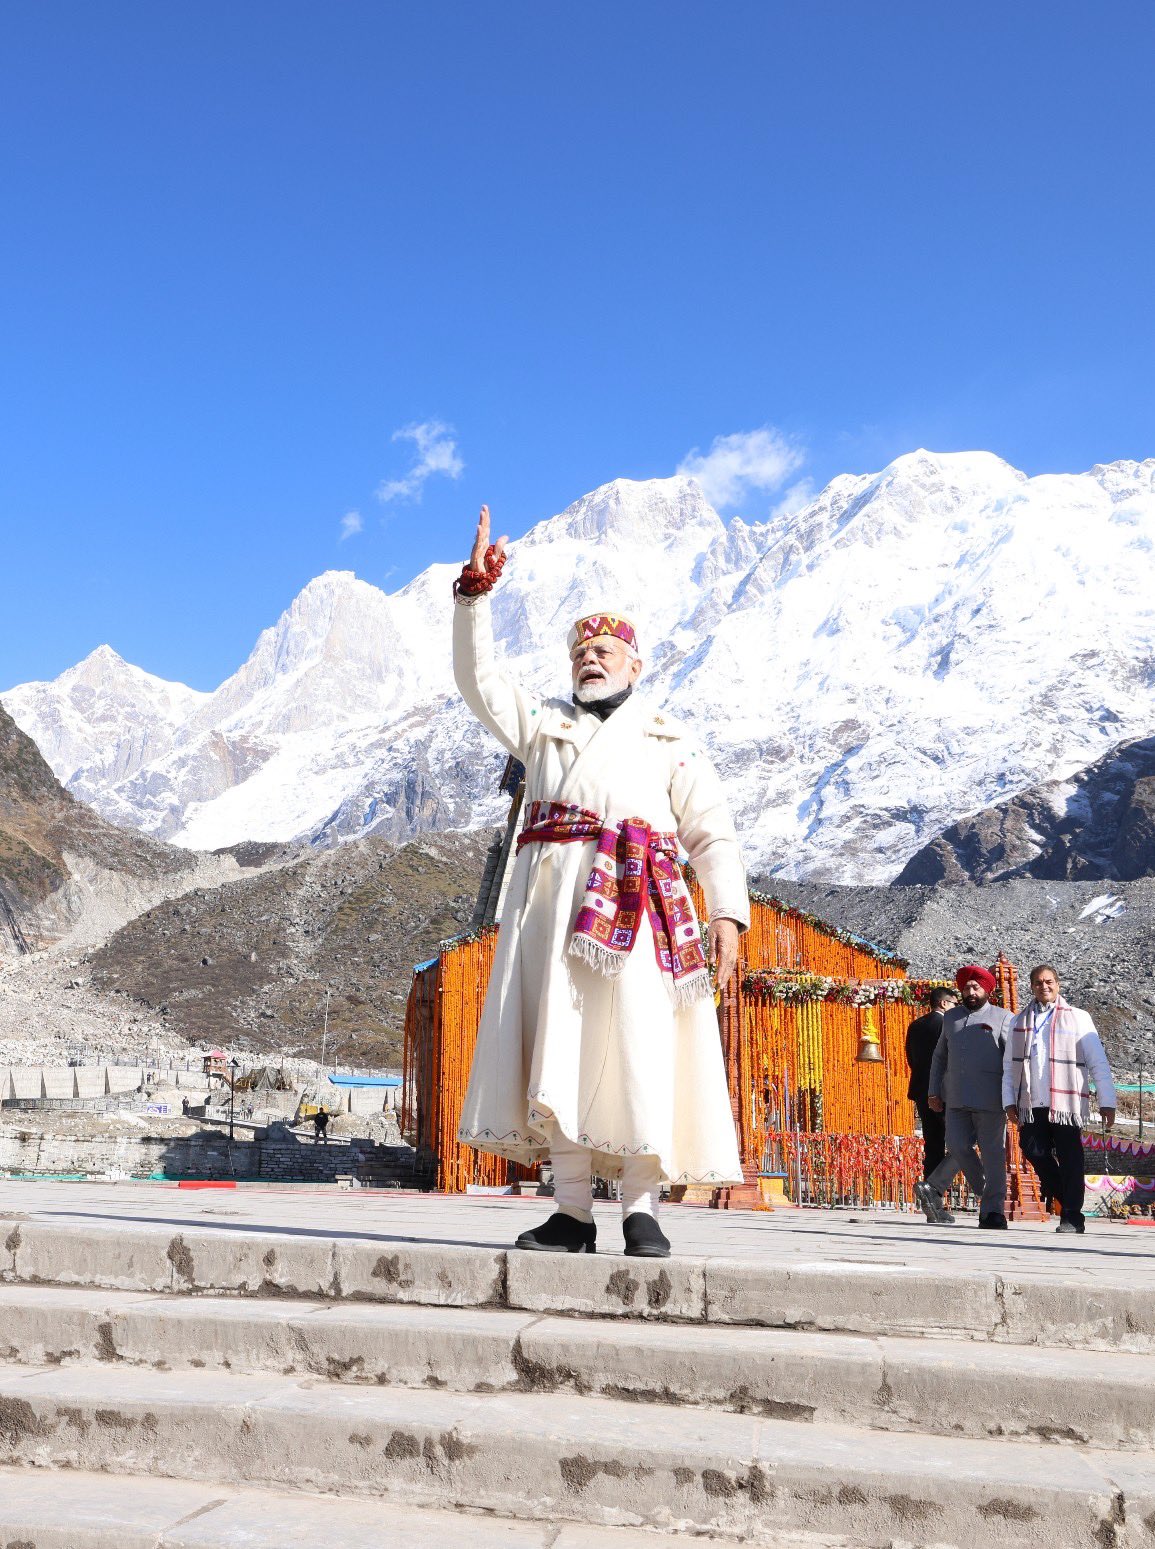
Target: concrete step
(1101, 1307)
(559, 1458)
(941, 1387)
(52, 1510)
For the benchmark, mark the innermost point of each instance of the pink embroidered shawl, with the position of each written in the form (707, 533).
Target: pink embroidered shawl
(634, 869)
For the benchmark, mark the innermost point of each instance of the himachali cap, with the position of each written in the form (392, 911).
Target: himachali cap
(603, 624)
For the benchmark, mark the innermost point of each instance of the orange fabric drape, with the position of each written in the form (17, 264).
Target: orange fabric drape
(441, 1022)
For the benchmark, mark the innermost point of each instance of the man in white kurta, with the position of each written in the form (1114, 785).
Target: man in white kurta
(610, 1067)
(1053, 1056)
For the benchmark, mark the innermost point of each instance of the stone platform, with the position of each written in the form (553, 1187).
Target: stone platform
(280, 1367)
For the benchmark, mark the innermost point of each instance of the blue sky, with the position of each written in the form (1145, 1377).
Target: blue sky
(245, 245)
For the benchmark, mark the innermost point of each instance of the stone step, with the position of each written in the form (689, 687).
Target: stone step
(560, 1458)
(52, 1510)
(940, 1387)
(1100, 1307)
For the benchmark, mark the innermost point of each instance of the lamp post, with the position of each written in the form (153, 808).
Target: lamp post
(325, 1030)
(1140, 1102)
(234, 1066)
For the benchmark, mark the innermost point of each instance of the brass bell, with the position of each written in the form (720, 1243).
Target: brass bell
(869, 1050)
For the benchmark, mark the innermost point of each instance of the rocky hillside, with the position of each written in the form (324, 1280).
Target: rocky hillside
(247, 964)
(62, 866)
(1099, 824)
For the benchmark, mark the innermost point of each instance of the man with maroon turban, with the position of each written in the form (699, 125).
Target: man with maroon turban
(966, 1080)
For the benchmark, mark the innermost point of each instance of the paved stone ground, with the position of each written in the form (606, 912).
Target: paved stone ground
(851, 1378)
(1108, 1251)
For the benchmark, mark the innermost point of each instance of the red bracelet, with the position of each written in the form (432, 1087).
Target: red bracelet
(474, 583)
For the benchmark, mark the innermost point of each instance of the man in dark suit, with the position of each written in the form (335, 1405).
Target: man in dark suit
(921, 1037)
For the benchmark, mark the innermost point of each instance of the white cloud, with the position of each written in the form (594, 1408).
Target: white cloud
(436, 453)
(351, 523)
(747, 460)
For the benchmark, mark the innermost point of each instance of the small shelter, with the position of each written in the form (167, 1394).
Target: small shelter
(216, 1063)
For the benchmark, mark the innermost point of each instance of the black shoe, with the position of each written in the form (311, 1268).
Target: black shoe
(560, 1234)
(644, 1237)
(1067, 1225)
(994, 1222)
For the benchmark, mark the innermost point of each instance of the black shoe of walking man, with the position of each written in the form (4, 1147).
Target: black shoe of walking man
(993, 1221)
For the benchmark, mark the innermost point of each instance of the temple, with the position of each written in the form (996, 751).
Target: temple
(813, 1029)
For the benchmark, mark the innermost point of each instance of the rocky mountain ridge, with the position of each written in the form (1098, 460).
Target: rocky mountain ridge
(65, 870)
(1098, 824)
(113, 944)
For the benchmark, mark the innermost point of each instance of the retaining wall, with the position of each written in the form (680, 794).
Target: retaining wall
(203, 1155)
(93, 1080)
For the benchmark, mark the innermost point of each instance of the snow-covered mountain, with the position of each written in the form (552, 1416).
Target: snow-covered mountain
(909, 648)
(102, 720)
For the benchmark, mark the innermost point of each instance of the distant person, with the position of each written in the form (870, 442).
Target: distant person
(922, 1037)
(184, 1106)
(966, 1081)
(320, 1126)
(1053, 1054)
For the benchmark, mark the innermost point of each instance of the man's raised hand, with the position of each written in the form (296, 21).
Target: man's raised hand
(481, 542)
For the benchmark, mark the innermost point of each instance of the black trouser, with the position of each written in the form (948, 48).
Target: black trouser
(1055, 1151)
(933, 1137)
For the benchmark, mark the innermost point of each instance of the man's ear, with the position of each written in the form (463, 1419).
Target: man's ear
(635, 669)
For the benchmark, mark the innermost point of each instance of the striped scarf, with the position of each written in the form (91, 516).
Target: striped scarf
(1069, 1099)
(634, 869)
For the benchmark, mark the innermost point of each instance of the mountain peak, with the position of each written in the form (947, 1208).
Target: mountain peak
(637, 510)
(106, 654)
(957, 468)
(334, 600)
(330, 582)
(106, 669)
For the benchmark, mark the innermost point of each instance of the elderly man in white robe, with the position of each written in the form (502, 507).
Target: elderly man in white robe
(599, 1046)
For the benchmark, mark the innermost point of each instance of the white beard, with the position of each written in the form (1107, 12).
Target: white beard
(590, 693)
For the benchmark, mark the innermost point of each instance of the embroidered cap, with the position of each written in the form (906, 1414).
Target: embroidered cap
(603, 624)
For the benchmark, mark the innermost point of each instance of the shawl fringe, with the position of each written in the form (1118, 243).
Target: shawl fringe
(687, 992)
(1066, 1104)
(684, 993)
(597, 956)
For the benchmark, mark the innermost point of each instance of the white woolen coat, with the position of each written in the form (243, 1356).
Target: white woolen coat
(610, 1062)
